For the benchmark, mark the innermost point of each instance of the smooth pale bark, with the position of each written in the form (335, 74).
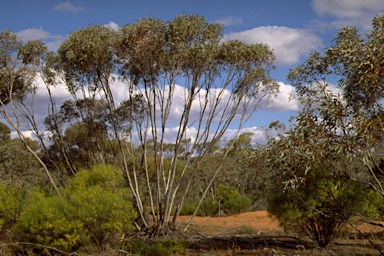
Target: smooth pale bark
(160, 62)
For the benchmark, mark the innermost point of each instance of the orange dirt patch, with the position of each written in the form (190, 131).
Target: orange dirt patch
(256, 233)
(259, 221)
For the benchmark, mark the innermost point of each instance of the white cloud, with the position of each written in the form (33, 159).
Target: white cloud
(170, 134)
(33, 34)
(67, 6)
(356, 13)
(351, 9)
(284, 101)
(52, 41)
(39, 103)
(230, 21)
(27, 134)
(54, 44)
(113, 25)
(258, 135)
(288, 44)
(40, 106)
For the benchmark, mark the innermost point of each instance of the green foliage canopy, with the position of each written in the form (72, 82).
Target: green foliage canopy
(320, 205)
(337, 134)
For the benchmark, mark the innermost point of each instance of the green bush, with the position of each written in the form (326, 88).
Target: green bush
(232, 201)
(158, 248)
(319, 207)
(208, 207)
(108, 177)
(237, 204)
(101, 203)
(9, 206)
(49, 221)
(104, 214)
(189, 207)
(94, 207)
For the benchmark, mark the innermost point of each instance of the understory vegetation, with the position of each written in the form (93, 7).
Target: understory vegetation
(100, 173)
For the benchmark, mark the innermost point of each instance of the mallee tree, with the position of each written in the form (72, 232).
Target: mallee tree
(215, 84)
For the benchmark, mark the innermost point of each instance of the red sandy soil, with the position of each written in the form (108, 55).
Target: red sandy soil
(259, 221)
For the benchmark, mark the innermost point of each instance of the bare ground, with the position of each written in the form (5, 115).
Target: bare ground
(256, 233)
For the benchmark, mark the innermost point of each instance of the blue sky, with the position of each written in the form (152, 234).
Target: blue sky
(293, 28)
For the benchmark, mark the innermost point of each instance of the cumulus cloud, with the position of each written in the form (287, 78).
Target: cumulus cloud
(39, 104)
(67, 6)
(258, 135)
(285, 100)
(27, 134)
(120, 91)
(230, 21)
(33, 34)
(52, 41)
(347, 13)
(112, 25)
(352, 9)
(288, 44)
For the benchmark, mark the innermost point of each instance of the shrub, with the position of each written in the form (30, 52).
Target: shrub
(232, 201)
(9, 206)
(237, 204)
(94, 207)
(189, 207)
(319, 207)
(208, 207)
(49, 221)
(104, 214)
(159, 248)
(108, 177)
(101, 203)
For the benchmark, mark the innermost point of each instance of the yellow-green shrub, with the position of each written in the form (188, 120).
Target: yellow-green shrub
(9, 205)
(104, 214)
(94, 207)
(49, 221)
(108, 177)
(101, 202)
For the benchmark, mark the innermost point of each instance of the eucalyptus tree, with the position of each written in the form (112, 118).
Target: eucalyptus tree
(85, 133)
(340, 127)
(18, 167)
(19, 64)
(163, 66)
(342, 92)
(5, 132)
